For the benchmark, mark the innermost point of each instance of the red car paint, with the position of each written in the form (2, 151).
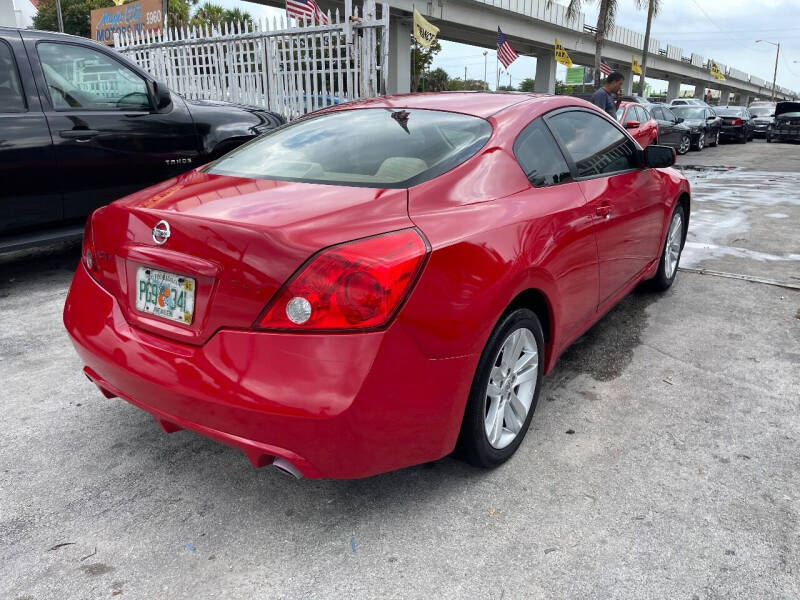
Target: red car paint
(346, 405)
(645, 133)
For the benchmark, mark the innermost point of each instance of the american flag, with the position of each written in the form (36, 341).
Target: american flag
(305, 10)
(505, 52)
(605, 69)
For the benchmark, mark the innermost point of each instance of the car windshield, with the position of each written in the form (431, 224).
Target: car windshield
(689, 112)
(730, 112)
(375, 147)
(762, 111)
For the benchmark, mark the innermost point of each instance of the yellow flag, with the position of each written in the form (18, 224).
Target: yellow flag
(716, 72)
(424, 31)
(561, 55)
(635, 66)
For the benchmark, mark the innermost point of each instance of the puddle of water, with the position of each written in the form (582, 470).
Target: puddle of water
(723, 201)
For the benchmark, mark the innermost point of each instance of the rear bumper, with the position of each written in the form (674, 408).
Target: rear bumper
(338, 406)
(731, 131)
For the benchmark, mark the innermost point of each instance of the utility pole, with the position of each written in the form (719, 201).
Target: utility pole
(60, 17)
(775, 73)
(465, 76)
(509, 80)
(485, 82)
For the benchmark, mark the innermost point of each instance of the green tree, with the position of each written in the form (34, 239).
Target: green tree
(526, 85)
(214, 14)
(436, 81)
(653, 6)
(421, 59)
(507, 88)
(605, 21)
(76, 14)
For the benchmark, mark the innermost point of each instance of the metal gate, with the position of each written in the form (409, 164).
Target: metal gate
(292, 67)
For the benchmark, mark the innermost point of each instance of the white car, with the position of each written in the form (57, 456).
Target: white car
(688, 102)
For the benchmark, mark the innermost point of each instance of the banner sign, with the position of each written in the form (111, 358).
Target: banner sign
(636, 66)
(715, 71)
(575, 76)
(134, 17)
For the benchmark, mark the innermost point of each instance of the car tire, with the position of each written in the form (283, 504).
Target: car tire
(769, 139)
(742, 139)
(671, 251)
(685, 144)
(701, 142)
(715, 143)
(485, 440)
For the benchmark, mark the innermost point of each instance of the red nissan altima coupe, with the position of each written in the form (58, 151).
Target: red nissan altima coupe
(378, 284)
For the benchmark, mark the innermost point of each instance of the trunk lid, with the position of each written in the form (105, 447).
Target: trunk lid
(239, 239)
(786, 107)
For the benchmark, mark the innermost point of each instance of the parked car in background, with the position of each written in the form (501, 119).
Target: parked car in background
(672, 131)
(737, 123)
(80, 126)
(763, 114)
(787, 123)
(635, 118)
(390, 288)
(688, 102)
(637, 99)
(704, 124)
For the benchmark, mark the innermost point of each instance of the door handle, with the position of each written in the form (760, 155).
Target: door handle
(603, 211)
(80, 135)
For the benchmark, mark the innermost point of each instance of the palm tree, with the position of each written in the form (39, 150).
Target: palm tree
(605, 21)
(653, 7)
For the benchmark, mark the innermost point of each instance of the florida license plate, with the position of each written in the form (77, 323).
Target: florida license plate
(165, 295)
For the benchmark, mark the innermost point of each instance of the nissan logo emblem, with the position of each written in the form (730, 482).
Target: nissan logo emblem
(161, 232)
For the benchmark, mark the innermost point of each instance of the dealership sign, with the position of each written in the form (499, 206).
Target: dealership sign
(134, 17)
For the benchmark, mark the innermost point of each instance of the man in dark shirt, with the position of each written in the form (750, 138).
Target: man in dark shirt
(606, 96)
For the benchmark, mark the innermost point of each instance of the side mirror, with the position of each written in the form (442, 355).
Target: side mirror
(632, 124)
(658, 157)
(161, 95)
(710, 118)
(679, 120)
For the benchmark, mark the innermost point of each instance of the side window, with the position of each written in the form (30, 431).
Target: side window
(80, 78)
(645, 115)
(669, 115)
(658, 114)
(596, 146)
(11, 97)
(539, 156)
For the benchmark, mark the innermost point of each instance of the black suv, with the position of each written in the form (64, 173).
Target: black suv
(80, 126)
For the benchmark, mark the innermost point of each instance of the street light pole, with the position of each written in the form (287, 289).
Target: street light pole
(485, 83)
(775, 73)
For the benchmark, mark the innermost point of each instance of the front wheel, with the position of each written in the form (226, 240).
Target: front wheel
(685, 144)
(504, 391)
(671, 253)
(701, 142)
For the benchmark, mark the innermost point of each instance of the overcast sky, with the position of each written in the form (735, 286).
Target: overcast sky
(725, 30)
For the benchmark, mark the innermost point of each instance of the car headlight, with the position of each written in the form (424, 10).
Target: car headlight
(696, 129)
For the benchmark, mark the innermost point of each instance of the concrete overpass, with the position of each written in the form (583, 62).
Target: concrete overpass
(531, 27)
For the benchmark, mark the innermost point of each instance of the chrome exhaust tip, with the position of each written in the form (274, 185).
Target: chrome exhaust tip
(285, 466)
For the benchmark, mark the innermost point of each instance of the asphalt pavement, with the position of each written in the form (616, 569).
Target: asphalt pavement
(663, 460)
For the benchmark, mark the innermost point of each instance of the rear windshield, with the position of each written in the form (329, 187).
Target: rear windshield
(374, 147)
(689, 112)
(730, 112)
(762, 111)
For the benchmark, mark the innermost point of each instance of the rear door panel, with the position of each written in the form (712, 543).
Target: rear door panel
(30, 190)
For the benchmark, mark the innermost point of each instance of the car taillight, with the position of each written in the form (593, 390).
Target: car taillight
(736, 122)
(356, 285)
(88, 253)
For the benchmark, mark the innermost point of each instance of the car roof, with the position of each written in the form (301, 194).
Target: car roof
(479, 104)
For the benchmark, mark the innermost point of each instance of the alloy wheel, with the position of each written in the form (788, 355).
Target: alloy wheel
(701, 141)
(511, 387)
(673, 247)
(686, 143)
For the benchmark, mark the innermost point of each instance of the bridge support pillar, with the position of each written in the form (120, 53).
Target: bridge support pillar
(674, 89)
(724, 97)
(399, 80)
(699, 90)
(545, 81)
(745, 99)
(627, 85)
